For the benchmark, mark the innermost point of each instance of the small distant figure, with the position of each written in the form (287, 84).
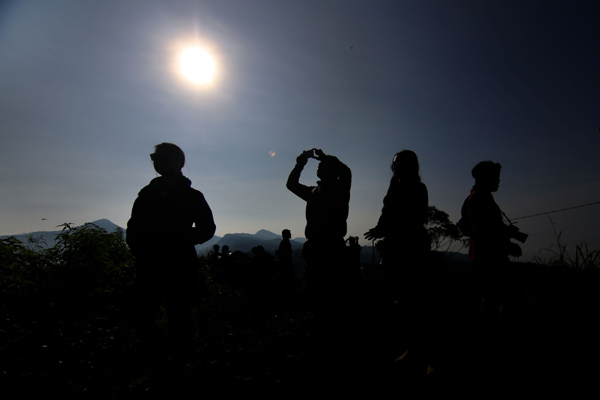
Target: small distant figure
(353, 268)
(285, 278)
(263, 262)
(168, 218)
(224, 264)
(213, 262)
(354, 250)
(225, 252)
(284, 252)
(327, 207)
(214, 255)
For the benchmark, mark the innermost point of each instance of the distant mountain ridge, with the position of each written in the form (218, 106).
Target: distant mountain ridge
(243, 242)
(236, 241)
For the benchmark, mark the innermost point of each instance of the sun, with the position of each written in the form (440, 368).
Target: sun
(196, 65)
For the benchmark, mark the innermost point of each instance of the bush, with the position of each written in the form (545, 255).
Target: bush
(85, 267)
(68, 300)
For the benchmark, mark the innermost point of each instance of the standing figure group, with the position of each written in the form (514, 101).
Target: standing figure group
(169, 217)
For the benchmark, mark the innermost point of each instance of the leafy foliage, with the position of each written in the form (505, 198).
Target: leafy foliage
(443, 232)
(62, 302)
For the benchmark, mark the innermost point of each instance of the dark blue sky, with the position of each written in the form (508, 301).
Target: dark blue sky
(88, 88)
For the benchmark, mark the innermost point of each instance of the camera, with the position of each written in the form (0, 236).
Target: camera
(517, 235)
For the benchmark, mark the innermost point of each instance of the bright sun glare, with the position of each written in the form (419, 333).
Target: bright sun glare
(196, 65)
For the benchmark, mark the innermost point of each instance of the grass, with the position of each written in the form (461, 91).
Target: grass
(579, 258)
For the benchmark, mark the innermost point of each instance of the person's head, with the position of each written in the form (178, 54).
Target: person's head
(258, 250)
(405, 166)
(327, 171)
(487, 175)
(225, 250)
(216, 248)
(168, 159)
(286, 234)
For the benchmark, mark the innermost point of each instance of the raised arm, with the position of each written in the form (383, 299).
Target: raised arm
(293, 183)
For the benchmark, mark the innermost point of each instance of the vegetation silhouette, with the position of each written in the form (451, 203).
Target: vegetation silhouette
(560, 255)
(65, 329)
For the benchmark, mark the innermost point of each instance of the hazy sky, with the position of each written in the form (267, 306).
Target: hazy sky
(87, 88)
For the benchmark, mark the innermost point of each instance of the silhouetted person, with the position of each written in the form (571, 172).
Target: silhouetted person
(262, 268)
(326, 214)
(225, 264)
(404, 254)
(284, 251)
(353, 251)
(213, 262)
(225, 252)
(490, 247)
(285, 278)
(214, 255)
(168, 218)
(489, 236)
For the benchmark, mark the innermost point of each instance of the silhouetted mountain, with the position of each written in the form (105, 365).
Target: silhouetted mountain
(107, 225)
(263, 233)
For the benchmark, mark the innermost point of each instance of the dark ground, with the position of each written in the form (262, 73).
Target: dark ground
(253, 344)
